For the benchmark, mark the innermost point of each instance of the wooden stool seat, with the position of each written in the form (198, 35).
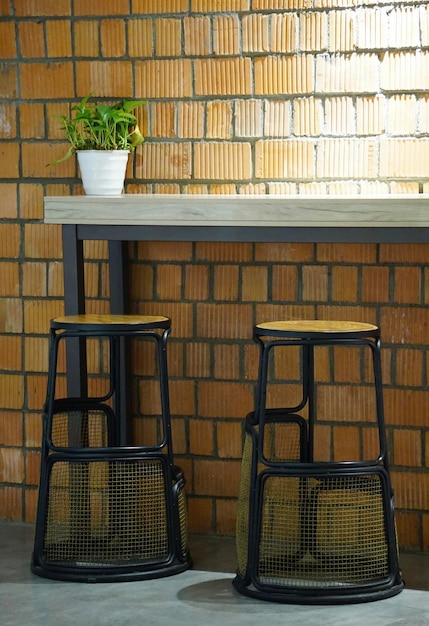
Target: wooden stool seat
(311, 328)
(132, 323)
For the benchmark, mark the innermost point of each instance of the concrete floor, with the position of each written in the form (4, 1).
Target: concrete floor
(201, 595)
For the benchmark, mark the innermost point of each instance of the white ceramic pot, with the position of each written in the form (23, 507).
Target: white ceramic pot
(103, 172)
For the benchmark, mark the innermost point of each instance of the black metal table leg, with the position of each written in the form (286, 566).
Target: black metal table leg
(74, 304)
(119, 306)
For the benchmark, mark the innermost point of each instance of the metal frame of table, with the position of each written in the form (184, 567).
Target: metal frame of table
(259, 218)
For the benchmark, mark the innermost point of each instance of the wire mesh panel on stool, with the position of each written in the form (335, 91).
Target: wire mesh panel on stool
(315, 521)
(108, 511)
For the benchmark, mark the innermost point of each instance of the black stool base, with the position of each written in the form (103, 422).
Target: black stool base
(120, 519)
(109, 574)
(390, 589)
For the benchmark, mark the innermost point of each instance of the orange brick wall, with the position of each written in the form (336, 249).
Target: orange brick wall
(245, 96)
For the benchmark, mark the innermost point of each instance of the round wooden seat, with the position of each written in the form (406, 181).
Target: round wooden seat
(132, 323)
(315, 328)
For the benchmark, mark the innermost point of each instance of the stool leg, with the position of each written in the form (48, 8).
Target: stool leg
(264, 350)
(52, 370)
(165, 396)
(120, 386)
(261, 387)
(308, 395)
(308, 391)
(376, 358)
(116, 363)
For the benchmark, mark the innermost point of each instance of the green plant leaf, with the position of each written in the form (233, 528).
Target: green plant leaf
(130, 105)
(137, 137)
(64, 158)
(100, 126)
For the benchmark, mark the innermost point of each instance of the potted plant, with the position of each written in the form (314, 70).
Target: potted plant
(102, 136)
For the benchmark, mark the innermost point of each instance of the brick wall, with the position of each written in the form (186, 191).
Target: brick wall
(261, 96)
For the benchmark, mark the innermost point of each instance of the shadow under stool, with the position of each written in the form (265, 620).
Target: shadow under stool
(108, 510)
(315, 519)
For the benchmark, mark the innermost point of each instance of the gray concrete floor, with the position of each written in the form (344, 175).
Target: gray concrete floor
(201, 595)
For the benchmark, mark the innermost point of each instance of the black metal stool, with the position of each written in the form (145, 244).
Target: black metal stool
(107, 511)
(311, 528)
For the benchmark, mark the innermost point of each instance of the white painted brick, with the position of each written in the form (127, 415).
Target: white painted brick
(423, 114)
(404, 187)
(370, 115)
(354, 74)
(339, 116)
(402, 115)
(346, 158)
(313, 188)
(405, 71)
(404, 158)
(375, 187)
(404, 27)
(424, 24)
(372, 28)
